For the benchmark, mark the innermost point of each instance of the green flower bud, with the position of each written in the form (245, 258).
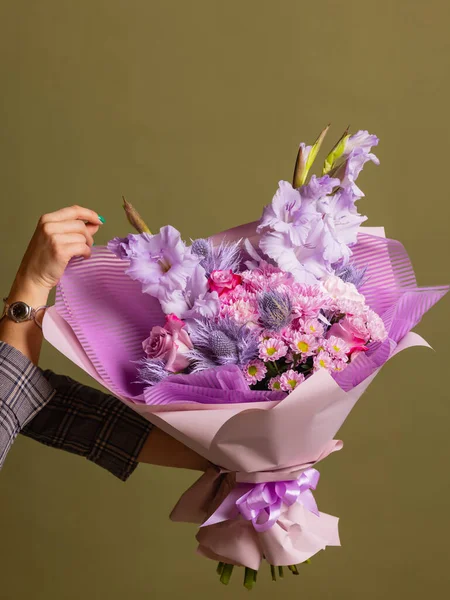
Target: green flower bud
(336, 153)
(305, 159)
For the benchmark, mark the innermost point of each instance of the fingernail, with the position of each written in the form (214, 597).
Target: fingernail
(101, 219)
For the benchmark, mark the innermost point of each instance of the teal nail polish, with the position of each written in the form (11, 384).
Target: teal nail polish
(102, 219)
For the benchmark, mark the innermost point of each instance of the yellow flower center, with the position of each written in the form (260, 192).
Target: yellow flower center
(303, 346)
(271, 351)
(276, 385)
(336, 348)
(322, 363)
(292, 383)
(252, 370)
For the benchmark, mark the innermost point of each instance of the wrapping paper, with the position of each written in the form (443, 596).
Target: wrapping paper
(99, 322)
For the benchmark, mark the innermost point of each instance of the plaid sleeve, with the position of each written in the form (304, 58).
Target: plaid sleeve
(85, 421)
(23, 393)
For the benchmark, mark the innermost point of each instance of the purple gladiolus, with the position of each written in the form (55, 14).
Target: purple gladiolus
(124, 248)
(162, 262)
(318, 187)
(361, 139)
(287, 214)
(195, 300)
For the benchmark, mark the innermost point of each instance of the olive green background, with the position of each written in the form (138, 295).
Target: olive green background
(194, 110)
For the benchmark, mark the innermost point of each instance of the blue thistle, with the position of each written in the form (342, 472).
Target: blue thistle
(221, 343)
(151, 371)
(217, 258)
(351, 274)
(275, 310)
(201, 247)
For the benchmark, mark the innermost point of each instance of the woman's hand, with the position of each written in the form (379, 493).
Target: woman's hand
(59, 236)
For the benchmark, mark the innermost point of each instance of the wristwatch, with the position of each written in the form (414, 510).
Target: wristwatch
(20, 312)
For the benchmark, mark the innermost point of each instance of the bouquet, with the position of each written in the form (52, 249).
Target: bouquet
(251, 347)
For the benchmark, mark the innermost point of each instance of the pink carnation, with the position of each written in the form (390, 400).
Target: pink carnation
(244, 312)
(375, 326)
(290, 380)
(267, 277)
(223, 281)
(272, 349)
(349, 307)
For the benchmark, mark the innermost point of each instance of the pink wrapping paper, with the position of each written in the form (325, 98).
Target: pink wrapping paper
(99, 321)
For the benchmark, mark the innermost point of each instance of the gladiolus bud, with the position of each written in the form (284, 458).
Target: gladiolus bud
(336, 153)
(305, 159)
(134, 218)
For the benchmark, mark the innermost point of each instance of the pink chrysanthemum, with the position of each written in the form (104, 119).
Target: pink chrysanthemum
(290, 380)
(337, 347)
(255, 371)
(308, 300)
(339, 365)
(272, 349)
(323, 360)
(274, 383)
(313, 327)
(302, 343)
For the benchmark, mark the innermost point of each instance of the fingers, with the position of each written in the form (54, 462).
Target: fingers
(72, 213)
(77, 249)
(65, 239)
(62, 230)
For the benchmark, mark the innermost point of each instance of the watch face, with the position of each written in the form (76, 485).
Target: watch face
(19, 311)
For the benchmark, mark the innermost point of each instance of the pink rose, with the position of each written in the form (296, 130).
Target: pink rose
(351, 334)
(223, 281)
(169, 343)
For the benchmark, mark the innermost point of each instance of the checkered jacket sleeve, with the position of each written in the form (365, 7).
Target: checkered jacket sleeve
(62, 413)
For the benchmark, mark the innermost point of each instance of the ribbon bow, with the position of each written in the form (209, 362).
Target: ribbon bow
(262, 503)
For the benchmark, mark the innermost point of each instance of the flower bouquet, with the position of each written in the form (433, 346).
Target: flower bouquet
(251, 347)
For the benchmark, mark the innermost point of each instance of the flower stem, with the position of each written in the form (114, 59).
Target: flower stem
(280, 571)
(249, 578)
(273, 572)
(226, 574)
(220, 568)
(293, 569)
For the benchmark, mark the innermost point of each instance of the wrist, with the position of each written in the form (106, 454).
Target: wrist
(25, 290)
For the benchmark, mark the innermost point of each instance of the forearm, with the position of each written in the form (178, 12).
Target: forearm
(26, 336)
(163, 450)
